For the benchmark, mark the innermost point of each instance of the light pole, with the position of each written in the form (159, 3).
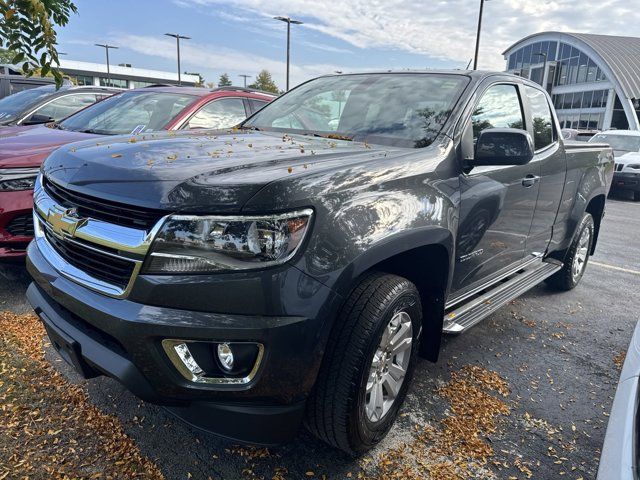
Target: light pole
(245, 79)
(475, 58)
(178, 37)
(544, 68)
(106, 47)
(288, 21)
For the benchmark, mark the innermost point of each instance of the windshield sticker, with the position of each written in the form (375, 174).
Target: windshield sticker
(138, 129)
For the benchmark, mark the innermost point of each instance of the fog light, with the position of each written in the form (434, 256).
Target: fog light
(225, 355)
(200, 361)
(185, 355)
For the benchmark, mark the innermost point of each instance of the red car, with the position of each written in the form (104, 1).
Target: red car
(140, 111)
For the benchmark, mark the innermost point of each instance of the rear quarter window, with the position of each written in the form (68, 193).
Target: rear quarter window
(542, 120)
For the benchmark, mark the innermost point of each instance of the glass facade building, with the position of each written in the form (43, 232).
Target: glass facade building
(580, 72)
(122, 76)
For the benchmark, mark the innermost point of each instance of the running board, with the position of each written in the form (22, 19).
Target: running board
(478, 308)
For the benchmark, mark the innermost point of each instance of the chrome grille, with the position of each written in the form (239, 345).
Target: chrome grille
(98, 264)
(82, 241)
(100, 209)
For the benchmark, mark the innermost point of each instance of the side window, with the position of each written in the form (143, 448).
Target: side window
(499, 107)
(223, 113)
(256, 104)
(542, 120)
(64, 106)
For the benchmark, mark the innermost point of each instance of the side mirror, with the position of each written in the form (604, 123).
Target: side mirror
(503, 146)
(37, 119)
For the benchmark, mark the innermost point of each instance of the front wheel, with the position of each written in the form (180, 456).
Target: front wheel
(368, 364)
(636, 196)
(577, 257)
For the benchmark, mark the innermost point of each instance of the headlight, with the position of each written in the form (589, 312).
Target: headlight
(635, 166)
(204, 244)
(13, 179)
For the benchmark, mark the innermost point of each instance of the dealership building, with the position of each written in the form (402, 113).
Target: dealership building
(593, 80)
(123, 75)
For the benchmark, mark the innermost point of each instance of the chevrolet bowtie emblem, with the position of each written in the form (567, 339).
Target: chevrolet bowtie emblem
(65, 222)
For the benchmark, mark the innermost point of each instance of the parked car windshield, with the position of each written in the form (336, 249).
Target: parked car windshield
(404, 109)
(129, 112)
(625, 143)
(13, 105)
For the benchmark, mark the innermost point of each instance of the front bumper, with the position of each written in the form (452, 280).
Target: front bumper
(14, 205)
(122, 338)
(626, 181)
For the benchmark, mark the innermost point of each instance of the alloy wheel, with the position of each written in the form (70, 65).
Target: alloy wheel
(582, 252)
(389, 366)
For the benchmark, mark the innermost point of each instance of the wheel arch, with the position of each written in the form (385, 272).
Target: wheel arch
(596, 208)
(425, 259)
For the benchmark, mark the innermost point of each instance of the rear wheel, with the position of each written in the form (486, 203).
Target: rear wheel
(577, 257)
(368, 364)
(636, 195)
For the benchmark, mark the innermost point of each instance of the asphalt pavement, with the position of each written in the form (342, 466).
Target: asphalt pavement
(557, 352)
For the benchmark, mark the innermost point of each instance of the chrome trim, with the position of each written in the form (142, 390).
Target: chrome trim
(130, 243)
(116, 237)
(535, 256)
(246, 218)
(18, 173)
(169, 343)
(75, 274)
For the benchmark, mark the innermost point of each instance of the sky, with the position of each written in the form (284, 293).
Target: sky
(241, 37)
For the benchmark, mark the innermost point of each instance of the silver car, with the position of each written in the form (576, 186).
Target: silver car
(618, 460)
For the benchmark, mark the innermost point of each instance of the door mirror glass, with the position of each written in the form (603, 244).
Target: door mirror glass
(503, 146)
(36, 119)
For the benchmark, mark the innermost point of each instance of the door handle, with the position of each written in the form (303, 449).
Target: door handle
(530, 180)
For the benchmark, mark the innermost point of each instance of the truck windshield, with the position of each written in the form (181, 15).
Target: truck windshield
(404, 109)
(129, 113)
(12, 106)
(624, 143)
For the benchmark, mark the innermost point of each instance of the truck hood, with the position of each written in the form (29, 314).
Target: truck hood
(204, 171)
(27, 146)
(629, 158)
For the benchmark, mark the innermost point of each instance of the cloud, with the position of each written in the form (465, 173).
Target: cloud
(324, 47)
(443, 29)
(208, 57)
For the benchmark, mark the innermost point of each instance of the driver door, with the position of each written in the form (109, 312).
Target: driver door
(497, 202)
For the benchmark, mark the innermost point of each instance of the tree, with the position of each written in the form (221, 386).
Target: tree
(224, 81)
(265, 82)
(6, 56)
(27, 28)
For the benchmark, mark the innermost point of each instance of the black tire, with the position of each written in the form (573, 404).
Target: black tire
(336, 408)
(636, 196)
(565, 279)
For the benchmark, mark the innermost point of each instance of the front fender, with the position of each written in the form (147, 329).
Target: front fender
(390, 247)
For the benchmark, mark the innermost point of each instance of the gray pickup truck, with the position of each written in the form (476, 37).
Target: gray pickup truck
(290, 271)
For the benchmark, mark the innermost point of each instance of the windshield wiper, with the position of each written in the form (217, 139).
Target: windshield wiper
(96, 132)
(332, 136)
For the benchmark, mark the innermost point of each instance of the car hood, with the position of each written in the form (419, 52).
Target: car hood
(27, 146)
(205, 171)
(628, 158)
